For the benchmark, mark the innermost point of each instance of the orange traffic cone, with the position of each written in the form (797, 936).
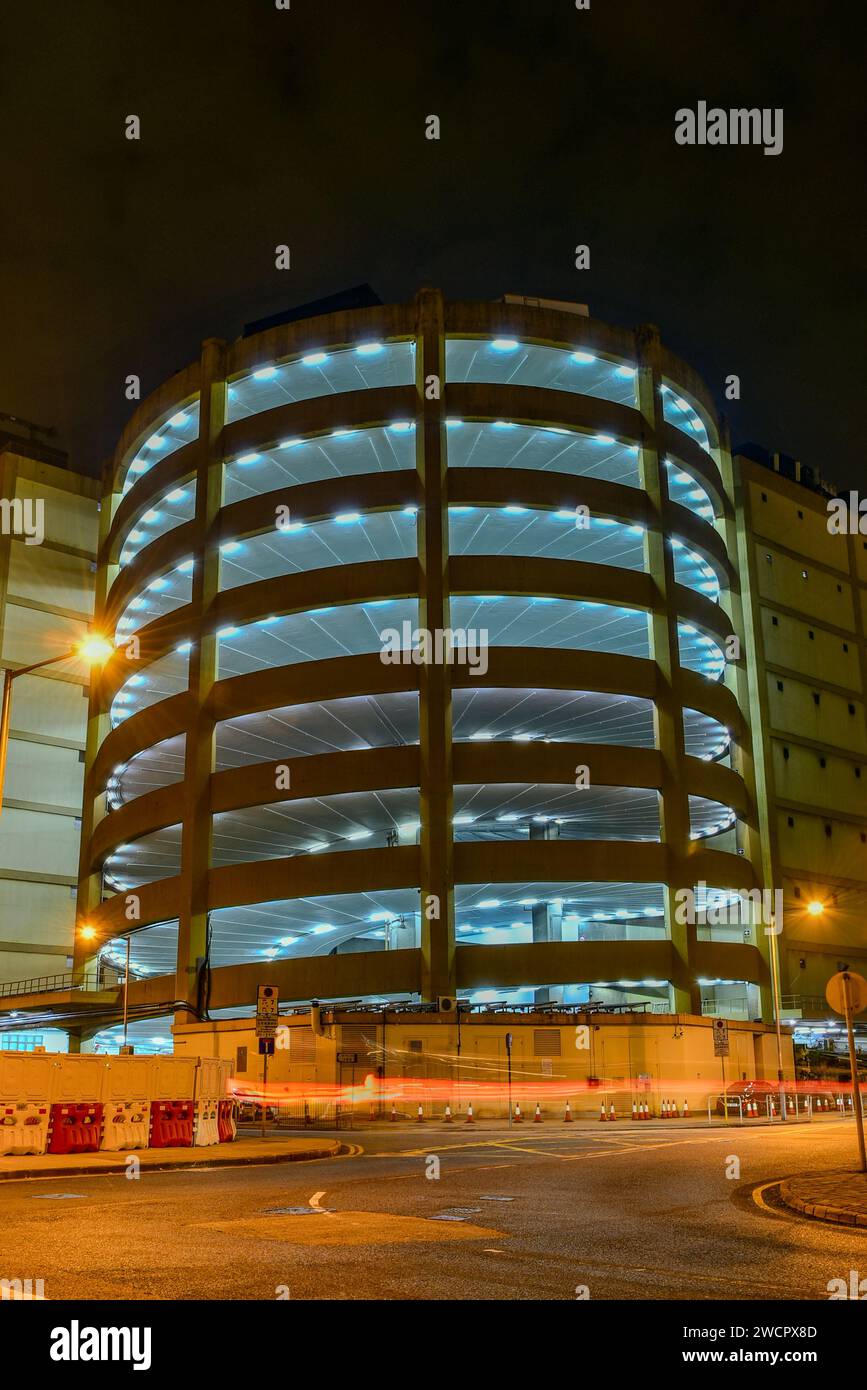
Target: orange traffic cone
(634, 1111)
(537, 1118)
(393, 1115)
(685, 1111)
(517, 1117)
(447, 1118)
(419, 1119)
(664, 1114)
(567, 1118)
(612, 1114)
(469, 1119)
(602, 1115)
(646, 1115)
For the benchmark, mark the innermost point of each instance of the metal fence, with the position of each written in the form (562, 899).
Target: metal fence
(51, 984)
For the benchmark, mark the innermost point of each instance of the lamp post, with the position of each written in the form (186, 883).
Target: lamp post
(94, 649)
(775, 986)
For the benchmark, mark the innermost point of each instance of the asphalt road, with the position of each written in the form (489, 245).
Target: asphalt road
(625, 1212)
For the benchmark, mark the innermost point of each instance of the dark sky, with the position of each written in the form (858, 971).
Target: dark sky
(307, 127)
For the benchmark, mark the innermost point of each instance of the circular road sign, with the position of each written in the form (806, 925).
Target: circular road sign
(857, 992)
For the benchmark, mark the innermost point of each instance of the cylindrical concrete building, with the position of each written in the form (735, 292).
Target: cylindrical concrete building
(428, 679)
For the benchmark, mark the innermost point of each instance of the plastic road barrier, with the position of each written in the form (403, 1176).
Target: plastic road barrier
(171, 1124)
(75, 1128)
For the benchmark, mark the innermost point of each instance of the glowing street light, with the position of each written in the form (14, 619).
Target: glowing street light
(87, 933)
(94, 649)
(815, 908)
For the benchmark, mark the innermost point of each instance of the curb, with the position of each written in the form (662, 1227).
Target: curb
(839, 1216)
(115, 1169)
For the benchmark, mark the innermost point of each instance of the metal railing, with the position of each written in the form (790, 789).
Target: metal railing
(51, 984)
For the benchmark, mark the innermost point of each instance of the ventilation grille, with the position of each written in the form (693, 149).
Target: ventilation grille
(546, 1042)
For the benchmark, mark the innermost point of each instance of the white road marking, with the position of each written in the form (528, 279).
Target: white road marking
(314, 1200)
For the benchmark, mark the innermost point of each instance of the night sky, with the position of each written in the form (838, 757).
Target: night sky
(307, 127)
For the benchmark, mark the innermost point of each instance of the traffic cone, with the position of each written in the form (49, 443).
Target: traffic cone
(469, 1120)
(685, 1111)
(612, 1114)
(419, 1119)
(517, 1117)
(602, 1113)
(567, 1118)
(537, 1118)
(634, 1111)
(393, 1115)
(447, 1118)
(647, 1114)
(664, 1115)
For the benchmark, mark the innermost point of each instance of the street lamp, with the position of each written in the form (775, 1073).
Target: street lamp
(815, 908)
(94, 649)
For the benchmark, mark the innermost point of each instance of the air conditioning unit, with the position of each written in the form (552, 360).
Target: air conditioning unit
(446, 1004)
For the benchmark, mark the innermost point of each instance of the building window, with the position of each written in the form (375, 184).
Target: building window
(828, 831)
(779, 685)
(822, 762)
(786, 754)
(800, 516)
(851, 709)
(816, 697)
(775, 622)
(791, 827)
(858, 772)
(546, 1042)
(764, 497)
(845, 646)
(804, 574)
(811, 634)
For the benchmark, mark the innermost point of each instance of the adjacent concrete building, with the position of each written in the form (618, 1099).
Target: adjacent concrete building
(48, 542)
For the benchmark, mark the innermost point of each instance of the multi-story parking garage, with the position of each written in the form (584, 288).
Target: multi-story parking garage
(270, 781)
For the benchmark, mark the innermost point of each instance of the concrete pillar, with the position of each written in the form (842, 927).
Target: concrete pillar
(668, 706)
(435, 691)
(547, 917)
(199, 761)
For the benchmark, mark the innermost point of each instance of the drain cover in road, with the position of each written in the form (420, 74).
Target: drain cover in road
(496, 1199)
(296, 1211)
(55, 1196)
(456, 1213)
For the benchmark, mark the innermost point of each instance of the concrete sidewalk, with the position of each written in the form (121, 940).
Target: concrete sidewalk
(242, 1151)
(838, 1195)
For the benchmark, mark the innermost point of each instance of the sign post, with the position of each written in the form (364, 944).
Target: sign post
(846, 992)
(509, 1066)
(721, 1050)
(267, 1004)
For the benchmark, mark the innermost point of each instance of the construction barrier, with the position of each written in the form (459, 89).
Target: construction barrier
(206, 1127)
(75, 1128)
(171, 1124)
(227, 1126)
(125, 1125)
(23, 1128)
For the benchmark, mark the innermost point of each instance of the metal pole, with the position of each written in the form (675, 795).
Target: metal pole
(5, 716)
(853, 1066)
(126, 991)
(775, 985)
(264, 1092)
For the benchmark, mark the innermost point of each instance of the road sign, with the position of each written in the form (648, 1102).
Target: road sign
(266, 1047)
(721, 1037)
(266, 1011)
(835, 992)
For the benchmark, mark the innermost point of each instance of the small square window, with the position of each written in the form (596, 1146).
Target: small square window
(786, 754)
(791, 827)
(851, 709)
(764, 497)
(769, 558)
(845, 646)
(811, 634)
(775, 622)
(822, 762)
(800, 516)
(858, 772)
(779, 685)
(816, 697)
(839, 588)
(804, 574)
